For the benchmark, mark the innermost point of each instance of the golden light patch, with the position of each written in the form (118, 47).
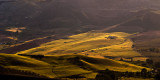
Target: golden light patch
(13, 38)
(90, 44)
(16, 29)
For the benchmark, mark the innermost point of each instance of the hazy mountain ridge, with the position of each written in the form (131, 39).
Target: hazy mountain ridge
(53, 12)
(141, 21)
(47, 17)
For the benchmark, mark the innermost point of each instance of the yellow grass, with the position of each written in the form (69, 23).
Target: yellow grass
(60, 58)
(16, 29)
(13, 38)
(90, 43)
(26, 63)
(66, 65)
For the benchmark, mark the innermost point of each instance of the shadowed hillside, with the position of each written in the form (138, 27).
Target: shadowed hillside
(142, 21)
(61, 66)
(147, 44)
(72, 16)
(90, 39)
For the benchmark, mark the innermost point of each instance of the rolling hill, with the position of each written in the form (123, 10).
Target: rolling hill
(33, 40)
(62, 66)
(144, 43)
(142, 21)
(71, 16)
(90, 43)
(147, 40)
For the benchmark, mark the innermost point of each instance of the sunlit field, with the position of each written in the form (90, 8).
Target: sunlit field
(80, 39)
(90, 43)
(62, 66)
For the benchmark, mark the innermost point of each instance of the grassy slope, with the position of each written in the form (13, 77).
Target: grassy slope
(59, 60)
(25, 63)
(66, 65)
(146, 40)
(90, 43)
(150, 43)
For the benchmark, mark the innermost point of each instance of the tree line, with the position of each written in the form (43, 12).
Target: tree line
(115, 75)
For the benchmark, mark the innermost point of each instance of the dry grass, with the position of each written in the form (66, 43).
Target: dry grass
(91, 43)
(66, 65)
(16, 29)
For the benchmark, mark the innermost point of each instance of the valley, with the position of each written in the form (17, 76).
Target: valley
(82, 54)
(80, 39)
(66, 65)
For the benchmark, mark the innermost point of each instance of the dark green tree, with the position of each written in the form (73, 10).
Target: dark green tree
(144, 72)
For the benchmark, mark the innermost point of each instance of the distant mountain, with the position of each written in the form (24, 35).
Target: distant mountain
(60, 66)
(141, 21)
(62, 13)
(46, 17)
